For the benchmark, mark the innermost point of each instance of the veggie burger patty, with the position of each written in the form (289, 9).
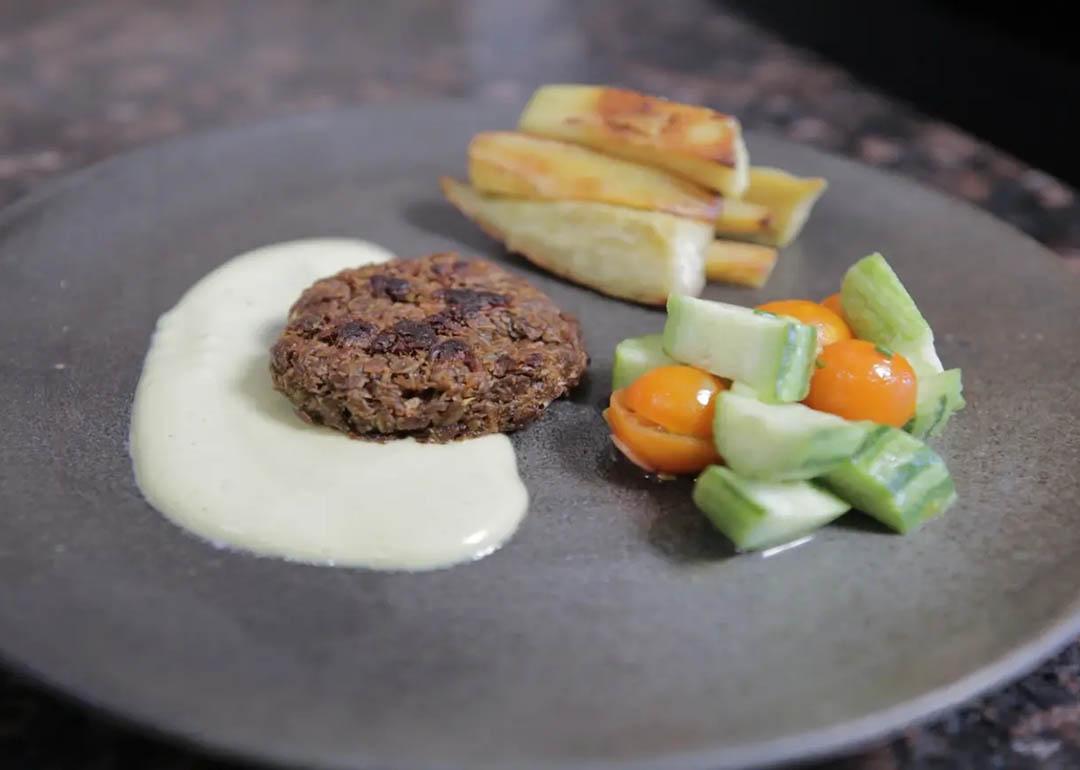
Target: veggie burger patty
(438, 348)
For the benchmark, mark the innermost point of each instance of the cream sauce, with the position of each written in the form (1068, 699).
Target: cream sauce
(222, 454)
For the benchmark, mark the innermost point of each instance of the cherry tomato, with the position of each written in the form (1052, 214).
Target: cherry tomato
(859, 381)
(831, 327)
(680, 399)
(833, 303)
(653, 448)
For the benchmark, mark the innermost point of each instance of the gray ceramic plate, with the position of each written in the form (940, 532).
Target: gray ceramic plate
(615, 630)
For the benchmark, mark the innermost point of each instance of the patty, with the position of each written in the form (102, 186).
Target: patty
(438, 348)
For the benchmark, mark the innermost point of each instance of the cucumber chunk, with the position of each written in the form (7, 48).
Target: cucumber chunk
(781, 442)
(879, 309)
(635, 356)
(771, 354)
(940, 396)
(760, 514)
(895, 478)
(742, 389)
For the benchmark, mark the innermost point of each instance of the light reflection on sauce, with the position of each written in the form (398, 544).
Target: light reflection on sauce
(220, 453)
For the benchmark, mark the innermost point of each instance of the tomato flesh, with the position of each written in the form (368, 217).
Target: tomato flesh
(831, 328)
(859, 381)
(833, 303)
(680, 399)
(650, 446)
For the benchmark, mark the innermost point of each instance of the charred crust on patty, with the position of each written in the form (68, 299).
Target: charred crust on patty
(468, 301)
(355, 333)
(438, 348)
(396, 289)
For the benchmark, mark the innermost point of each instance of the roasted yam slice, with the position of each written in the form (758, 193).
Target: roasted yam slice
(788, 198)
(697, 143)
(636, 255)
(525, 166)
(738, 218)
(743, 264)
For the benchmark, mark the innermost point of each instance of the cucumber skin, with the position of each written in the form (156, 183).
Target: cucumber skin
(803, 451)
(714, 497)
(722, 496)
(635, 356)
(879, 308)
(940, 396)
(894, 478)
(798, 362)
(788, 381)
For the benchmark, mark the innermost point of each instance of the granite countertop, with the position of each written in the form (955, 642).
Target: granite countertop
(83, 81)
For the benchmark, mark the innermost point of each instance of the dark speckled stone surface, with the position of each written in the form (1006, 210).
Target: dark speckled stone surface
(79, 82)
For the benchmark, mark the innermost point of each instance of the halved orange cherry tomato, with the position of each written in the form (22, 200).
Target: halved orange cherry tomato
(831, 327)
(653, 448)
(833, 303)
(680, 399)
(859, 381)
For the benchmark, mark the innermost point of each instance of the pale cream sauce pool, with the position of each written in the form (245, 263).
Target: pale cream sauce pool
(222, 454)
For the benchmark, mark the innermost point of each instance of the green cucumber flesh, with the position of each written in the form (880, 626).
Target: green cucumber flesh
(879, 309)
(636, 356)
(781, 442)
(771, 354)
(940, 396)
(895, 478)
(742, 389)
(762, 514)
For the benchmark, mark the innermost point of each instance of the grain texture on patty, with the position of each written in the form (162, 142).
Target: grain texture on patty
(438, 348)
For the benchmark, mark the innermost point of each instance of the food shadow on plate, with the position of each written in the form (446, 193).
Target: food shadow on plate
(856, 521)
(576, 442)
(677, 530)
(437, 217)
(568, 441)
(682, 534)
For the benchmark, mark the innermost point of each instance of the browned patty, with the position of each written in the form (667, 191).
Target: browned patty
(438, 348)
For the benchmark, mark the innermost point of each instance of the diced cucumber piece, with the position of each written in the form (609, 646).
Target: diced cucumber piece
(781, 442)
(742, 389)
(939, 397)
(895, 478)
(635, 356)
(879, 309)
(771, 354)
(759, 514)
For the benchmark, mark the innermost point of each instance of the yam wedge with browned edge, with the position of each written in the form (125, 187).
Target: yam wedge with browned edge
(696, 143)
(636, 255)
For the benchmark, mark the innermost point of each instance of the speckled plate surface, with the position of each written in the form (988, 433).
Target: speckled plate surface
(615, 630)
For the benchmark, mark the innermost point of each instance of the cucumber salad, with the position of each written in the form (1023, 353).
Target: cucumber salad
(794, 412)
